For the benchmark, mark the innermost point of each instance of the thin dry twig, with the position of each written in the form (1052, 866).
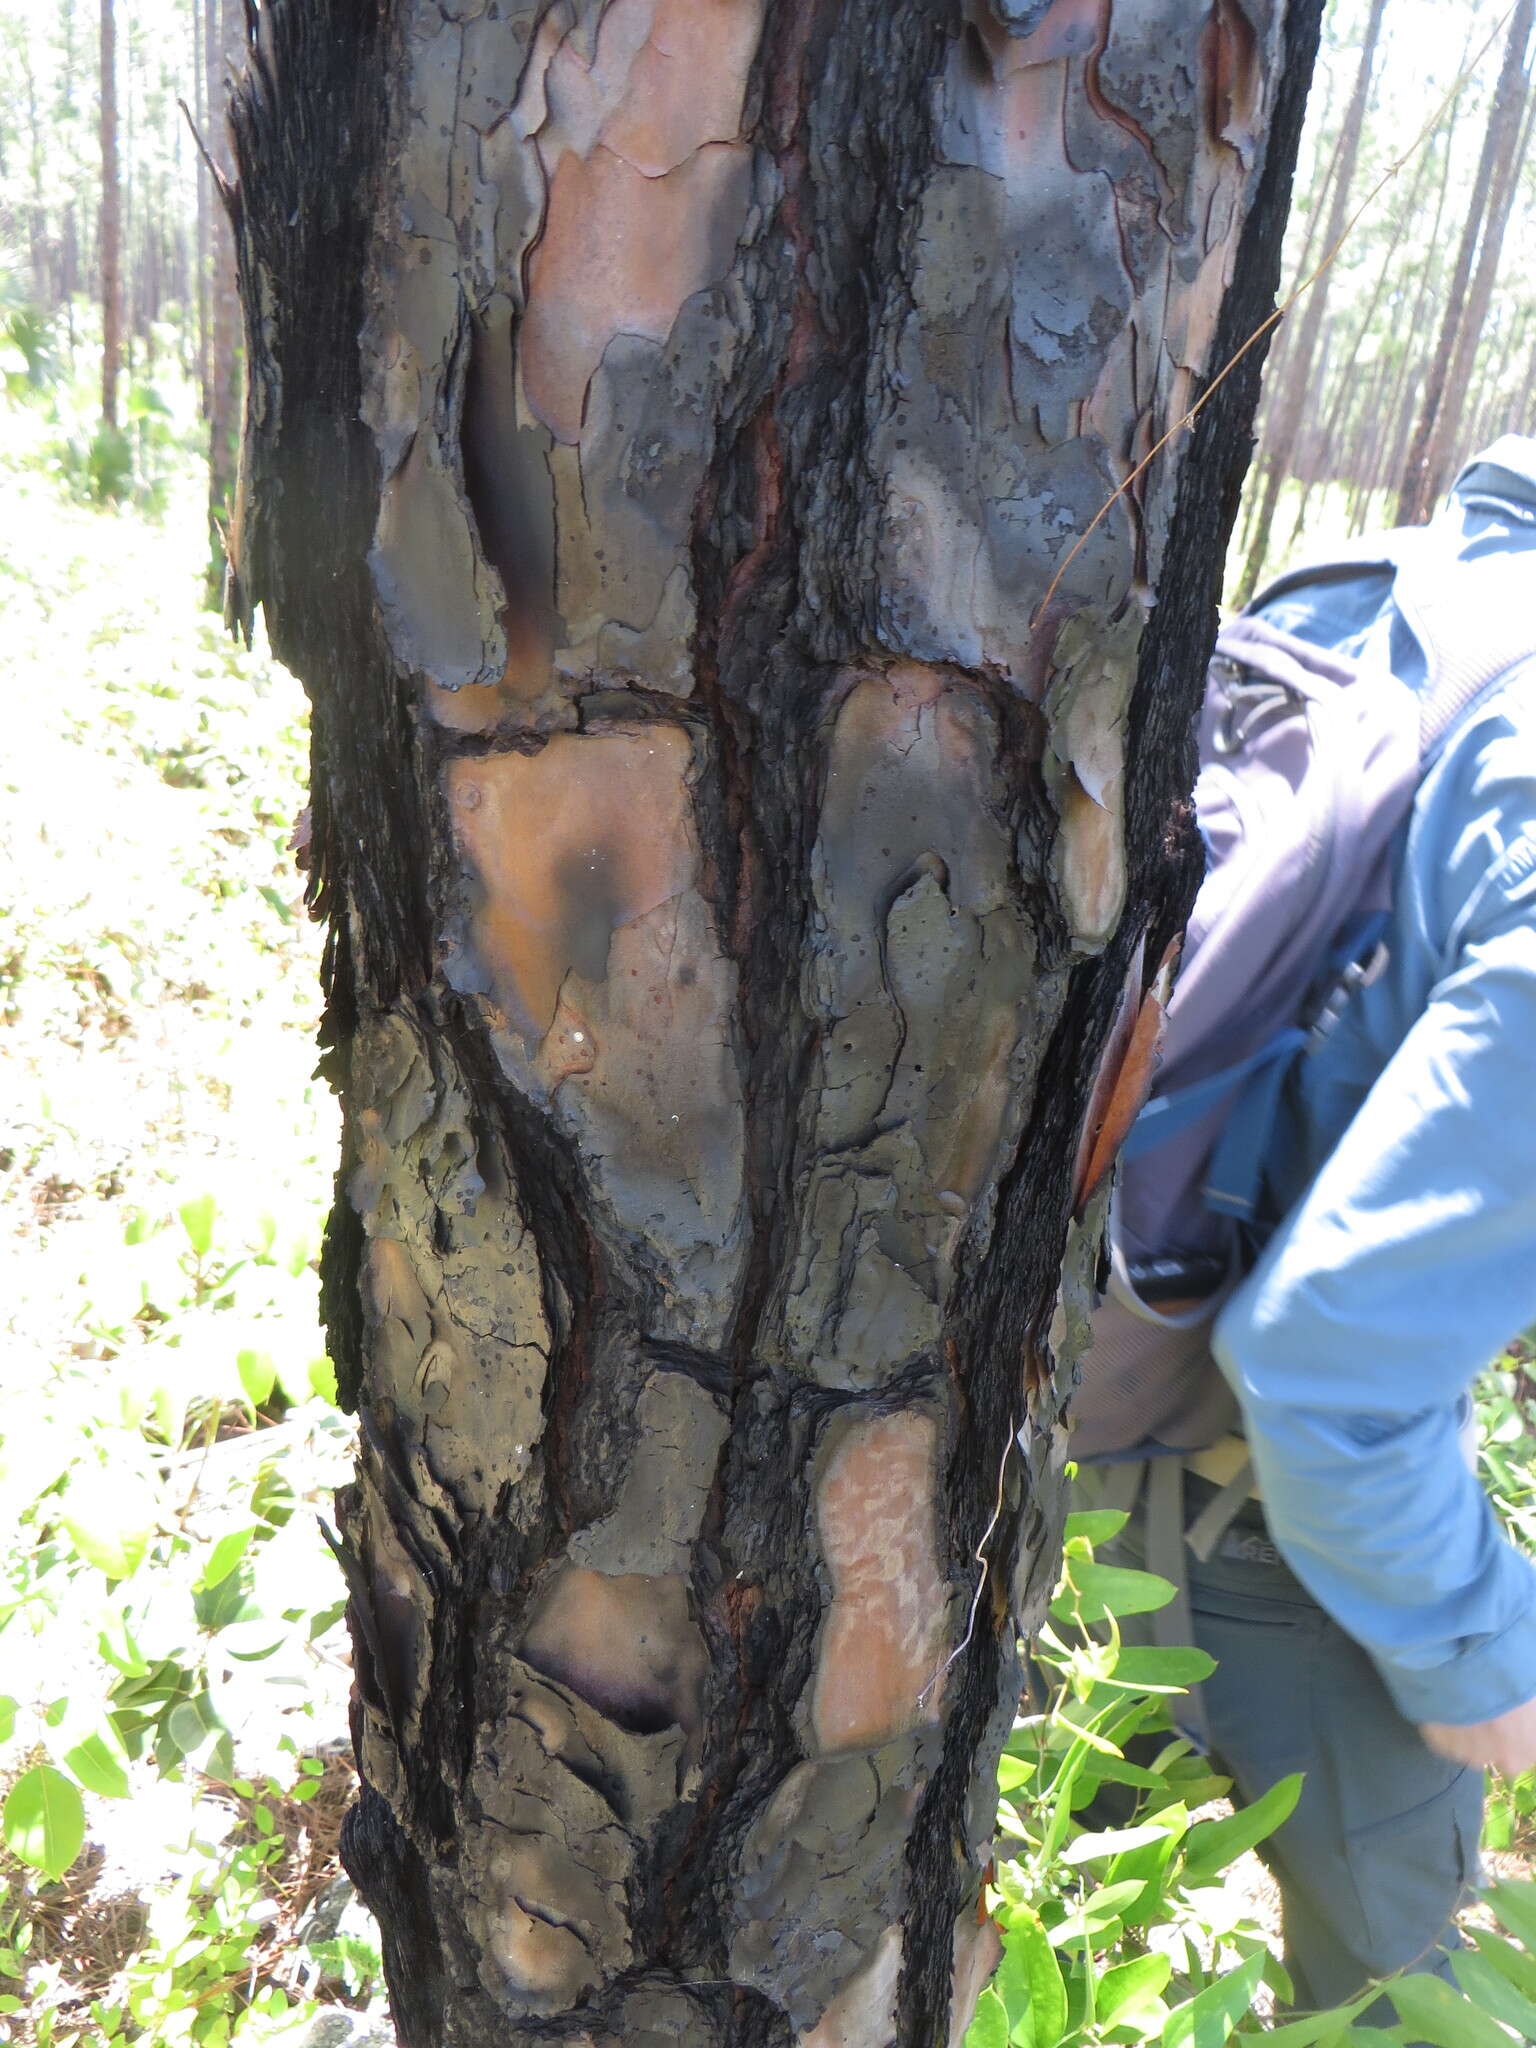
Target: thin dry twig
(984, 1572)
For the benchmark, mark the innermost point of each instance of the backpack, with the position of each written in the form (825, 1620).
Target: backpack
(1310, 760)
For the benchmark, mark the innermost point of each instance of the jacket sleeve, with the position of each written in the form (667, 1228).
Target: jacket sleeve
(1406, 1266)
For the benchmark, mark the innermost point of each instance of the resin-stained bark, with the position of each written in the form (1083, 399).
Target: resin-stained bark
(749, 807)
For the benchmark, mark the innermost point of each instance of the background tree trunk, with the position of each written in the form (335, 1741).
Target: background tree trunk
(748, 831)
(1511, 120)
(111, 224)
(1293, 405)
(222, 43)
(1417, 495)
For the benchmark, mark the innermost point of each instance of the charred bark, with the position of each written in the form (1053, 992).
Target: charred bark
(745, 825)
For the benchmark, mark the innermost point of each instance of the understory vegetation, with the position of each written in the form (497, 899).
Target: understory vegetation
(174, 1761)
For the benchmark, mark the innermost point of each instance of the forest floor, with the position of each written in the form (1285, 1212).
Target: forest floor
(174, 1672)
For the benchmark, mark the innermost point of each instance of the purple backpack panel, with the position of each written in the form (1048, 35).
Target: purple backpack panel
(1308, 766)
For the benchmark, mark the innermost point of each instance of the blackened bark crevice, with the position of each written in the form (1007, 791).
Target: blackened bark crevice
(1167, 858)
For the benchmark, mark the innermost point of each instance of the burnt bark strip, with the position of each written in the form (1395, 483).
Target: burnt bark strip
(744, 855)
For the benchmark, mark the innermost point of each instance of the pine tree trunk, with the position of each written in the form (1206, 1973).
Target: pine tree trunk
(222, 42)
(111, 224)
(1300, 394)
(1332, 464)
(746, 829)
(205, 207)
(1511, 118)
(1417, 494)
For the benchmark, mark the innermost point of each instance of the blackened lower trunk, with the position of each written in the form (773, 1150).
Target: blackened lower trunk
(743, 812)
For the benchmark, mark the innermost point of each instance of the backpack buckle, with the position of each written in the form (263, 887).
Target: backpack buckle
(1334, 998)
(1253, 701)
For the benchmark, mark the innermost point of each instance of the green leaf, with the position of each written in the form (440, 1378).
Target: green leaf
(1029, 1983)
(109, 1515)
(192, 1725)
(100, 1765)
(258, 1376)
(1510, 1962)
(1101, 1910)
(225, 1555)
(1492, 1990)
(1207, 2019)
(197, 1221)
(1116, 1771)
(1114, 1842)
(1147, 1668)
(1014, 1771)
(1441, 2016)
(1130, 1987)
(1515, 1903)
(1315, 2028)
(989, 2029)
(1097, 1525)
(1213, 1844)
(322, 1379)
(1149, 1866)
(1097, 1591)
(7, 1717)
(44, 1821)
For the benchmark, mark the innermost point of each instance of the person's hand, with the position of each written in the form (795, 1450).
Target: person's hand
(1506, 1744)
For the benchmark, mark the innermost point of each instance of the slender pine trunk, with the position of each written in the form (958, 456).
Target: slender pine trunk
(222, 41)
(1510, 132)
(111, 224)
(1418, 490)
(1300, 395)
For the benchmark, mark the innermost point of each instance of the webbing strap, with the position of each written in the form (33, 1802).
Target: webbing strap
(1220, 1512)
(1235, 1176)
(1168, 1116)
(1173, 1626)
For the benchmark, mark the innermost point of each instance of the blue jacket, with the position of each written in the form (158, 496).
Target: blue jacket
(1406, 1169)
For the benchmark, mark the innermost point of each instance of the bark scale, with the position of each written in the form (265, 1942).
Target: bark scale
(666, 422)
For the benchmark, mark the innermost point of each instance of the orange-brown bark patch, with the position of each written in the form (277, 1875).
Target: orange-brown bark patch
(883, 1634)
(566, 845)
(1127, 1070)
(863, 2014)
(978, 1951)
(687, 82)
(620, 253)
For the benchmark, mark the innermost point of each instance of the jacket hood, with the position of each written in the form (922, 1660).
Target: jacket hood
(1505, 472)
